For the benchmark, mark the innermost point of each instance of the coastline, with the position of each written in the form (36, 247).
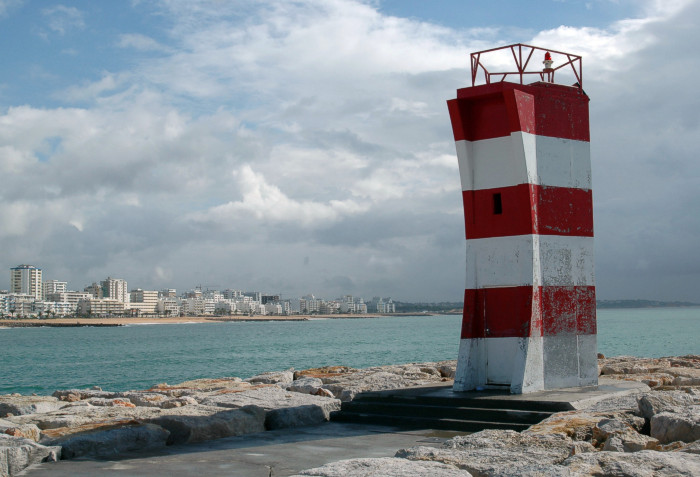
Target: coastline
(121, 321)
(645, 414)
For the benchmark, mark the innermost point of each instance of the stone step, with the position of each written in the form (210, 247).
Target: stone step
(485, 400)
(398, 408)
(412, 422)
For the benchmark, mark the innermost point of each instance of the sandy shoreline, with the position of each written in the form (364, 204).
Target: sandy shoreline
(179, 319)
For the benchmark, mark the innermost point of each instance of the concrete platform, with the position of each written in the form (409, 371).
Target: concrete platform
(288, 451)
(285, 452)
(566, 399)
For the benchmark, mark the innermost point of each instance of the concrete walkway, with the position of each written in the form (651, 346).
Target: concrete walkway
(277, 453)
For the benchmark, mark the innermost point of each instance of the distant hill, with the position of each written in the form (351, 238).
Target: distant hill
(642, 304)
(456, 306)
(440, 307)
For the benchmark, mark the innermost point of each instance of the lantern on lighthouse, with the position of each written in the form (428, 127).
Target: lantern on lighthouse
(547, 61)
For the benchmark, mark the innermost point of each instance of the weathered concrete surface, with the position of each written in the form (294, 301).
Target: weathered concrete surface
(283, 452)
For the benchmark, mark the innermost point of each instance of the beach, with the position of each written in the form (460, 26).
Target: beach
(141, 320)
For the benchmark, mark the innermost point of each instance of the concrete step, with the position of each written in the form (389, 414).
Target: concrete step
(398, 408)
(413, 422)
(438, 407)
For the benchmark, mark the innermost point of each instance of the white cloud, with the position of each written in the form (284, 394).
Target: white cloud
(263, 201)
(140, 42)
(61, 18)
(333, 118)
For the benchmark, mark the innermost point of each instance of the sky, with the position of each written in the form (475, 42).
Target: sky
(304, 146)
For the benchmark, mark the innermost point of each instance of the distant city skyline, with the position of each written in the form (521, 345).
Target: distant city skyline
(306, 146)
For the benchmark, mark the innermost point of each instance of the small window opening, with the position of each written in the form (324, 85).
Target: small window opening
(497, 204)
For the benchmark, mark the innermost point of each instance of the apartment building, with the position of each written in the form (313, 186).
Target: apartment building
(116, 289)
(26, 280)
(53, 286)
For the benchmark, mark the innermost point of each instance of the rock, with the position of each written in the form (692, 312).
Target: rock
(305, 385)
(20, 405)
(637, 464)
(498, 452)
(385, 467)
(107, 440)
(72, 395)
(179, 402)
(17, 453)
(273, 377)
(692, 448)
(198, 386)
(324, 393)
(683, 425)
(284, 408)
(655, 402)
(226, 423)
(616, 435)
(324, 372)
(146, 399)
(579, 425)
(122, 402)
(27, 431)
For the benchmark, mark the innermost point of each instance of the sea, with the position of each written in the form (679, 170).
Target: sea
(42, 360)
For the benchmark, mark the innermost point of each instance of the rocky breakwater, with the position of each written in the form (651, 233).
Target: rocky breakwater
(95, 423)
(653, 433)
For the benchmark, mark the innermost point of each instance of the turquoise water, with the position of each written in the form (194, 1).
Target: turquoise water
(42, 360)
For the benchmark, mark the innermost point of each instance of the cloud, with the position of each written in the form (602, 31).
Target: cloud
(305, 146)
(61, 19)
(140, 42)
(7, 6)
(266, 202)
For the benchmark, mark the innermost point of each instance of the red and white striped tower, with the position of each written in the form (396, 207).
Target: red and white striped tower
(524, 159)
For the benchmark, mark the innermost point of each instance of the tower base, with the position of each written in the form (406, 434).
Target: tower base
(529, 364)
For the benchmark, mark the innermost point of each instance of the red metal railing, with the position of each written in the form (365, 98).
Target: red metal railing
(522, 54)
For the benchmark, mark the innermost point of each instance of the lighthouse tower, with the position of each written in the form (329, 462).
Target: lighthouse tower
(523, 148)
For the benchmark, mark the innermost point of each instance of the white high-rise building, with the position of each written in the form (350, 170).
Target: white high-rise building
(26, 280)
(53, 286)
(115, 288)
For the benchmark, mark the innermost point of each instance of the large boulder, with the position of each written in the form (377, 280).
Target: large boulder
(655, 402)
(284, 408)
(273, 377)
(305, 385)
(27, 431)
(683, 425)
(17, 453)
(619, 436)
(201, 386)
(385, 467)
(106, 439)
(17, 405)
(498, 452)
(646, 463)
(579, 425)
(345, 383)
(192, 426)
